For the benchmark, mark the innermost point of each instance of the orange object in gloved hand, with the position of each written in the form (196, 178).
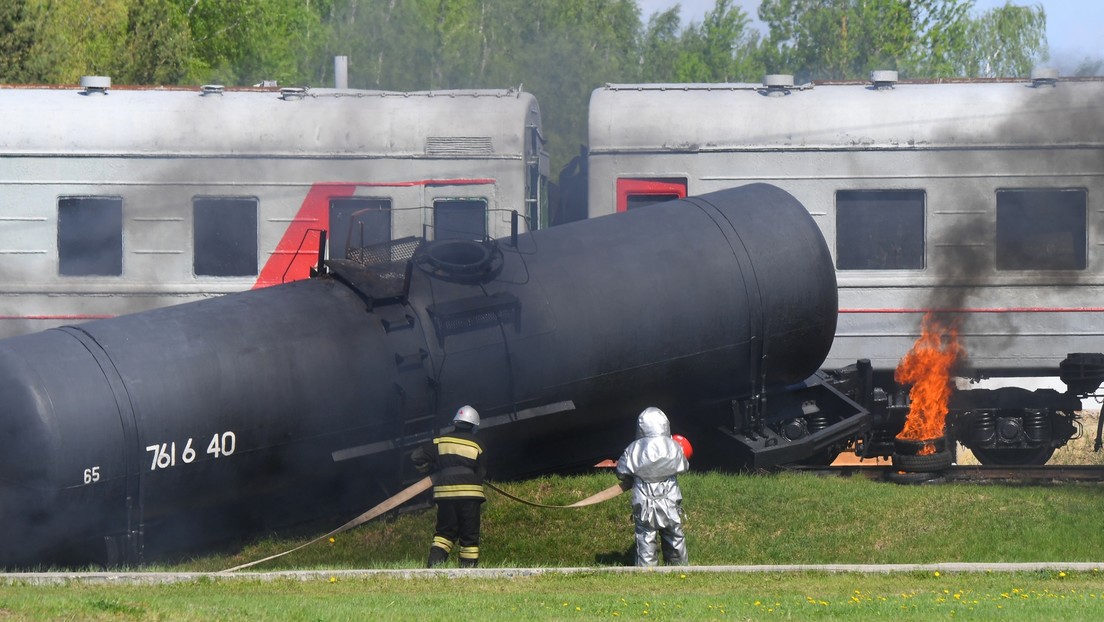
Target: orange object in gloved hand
(687, 449)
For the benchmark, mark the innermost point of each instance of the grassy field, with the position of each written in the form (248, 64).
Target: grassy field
(746, 519)
(682, 596)
(785, 518)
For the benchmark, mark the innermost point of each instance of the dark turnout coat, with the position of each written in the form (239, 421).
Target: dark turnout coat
(457, 464)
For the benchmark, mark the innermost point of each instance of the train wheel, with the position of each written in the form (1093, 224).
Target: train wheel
(1013, 457)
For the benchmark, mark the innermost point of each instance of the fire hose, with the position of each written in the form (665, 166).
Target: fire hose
(421, 486)
(605, 495)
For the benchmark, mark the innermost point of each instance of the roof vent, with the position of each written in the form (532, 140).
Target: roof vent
(459, 145)
(883, 79)
(778, 84)
(1044, 76)
(95, 84)
(293, 93)
(211, 89)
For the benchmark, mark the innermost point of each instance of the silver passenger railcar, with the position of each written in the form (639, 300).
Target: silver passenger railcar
(978, 198)
(117, 200)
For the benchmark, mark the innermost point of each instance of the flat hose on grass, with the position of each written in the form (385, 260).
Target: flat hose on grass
(605, 495)
(419, 487)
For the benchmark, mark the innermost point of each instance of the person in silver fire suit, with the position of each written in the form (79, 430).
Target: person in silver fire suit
(653, 461)
(455, 460)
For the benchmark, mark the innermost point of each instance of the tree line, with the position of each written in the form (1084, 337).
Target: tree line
(560, 50)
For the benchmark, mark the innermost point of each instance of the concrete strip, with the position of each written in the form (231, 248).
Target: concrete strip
(148, 578)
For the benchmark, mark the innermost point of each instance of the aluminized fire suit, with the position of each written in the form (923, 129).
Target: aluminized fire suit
(654, 461)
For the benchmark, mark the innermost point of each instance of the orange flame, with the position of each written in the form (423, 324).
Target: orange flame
(927, 367)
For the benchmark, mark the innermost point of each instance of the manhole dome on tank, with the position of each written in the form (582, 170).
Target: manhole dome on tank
(465, 261)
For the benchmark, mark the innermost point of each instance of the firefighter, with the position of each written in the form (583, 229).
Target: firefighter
(653, 462)
(456, 462)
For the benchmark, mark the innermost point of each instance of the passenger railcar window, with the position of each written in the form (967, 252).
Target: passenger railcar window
(880, 229)
(90, 236)
(460, 218)
(358, 222)
(1041, 229)
(225, 236)
(640, 200)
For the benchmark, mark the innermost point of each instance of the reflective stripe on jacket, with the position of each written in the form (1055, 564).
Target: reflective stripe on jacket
(456, 462)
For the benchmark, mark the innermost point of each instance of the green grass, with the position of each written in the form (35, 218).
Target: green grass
(732, 520)
(677, 596)
(745, 519)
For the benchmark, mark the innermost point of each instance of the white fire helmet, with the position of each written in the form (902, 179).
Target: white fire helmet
(467, 414)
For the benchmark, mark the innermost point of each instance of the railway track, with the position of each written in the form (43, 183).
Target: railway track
(975, 474)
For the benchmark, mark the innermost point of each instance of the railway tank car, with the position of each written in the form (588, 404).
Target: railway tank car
(122, 199)
(979, 199)
(130, 439)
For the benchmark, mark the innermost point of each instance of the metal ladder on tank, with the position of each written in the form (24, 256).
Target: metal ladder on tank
(415, 390)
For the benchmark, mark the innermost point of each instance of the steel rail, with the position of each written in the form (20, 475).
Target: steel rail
(977, 474)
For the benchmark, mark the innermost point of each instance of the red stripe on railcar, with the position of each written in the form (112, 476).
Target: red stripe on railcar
(300, 240)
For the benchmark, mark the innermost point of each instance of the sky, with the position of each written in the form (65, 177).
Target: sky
(1075, 28)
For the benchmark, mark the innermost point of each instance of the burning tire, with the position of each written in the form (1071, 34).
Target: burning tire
(927, 367)
(907, 455)
(930, 463)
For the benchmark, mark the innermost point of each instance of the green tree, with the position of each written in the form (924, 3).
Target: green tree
(1006, 41)
(660, 47)
(239, 42)
(846, 39)
(58, 41)
(721, 49)
(390, 43)
(15, 39)
(70, 39)
(560, 50)
(158, 44)
(941, 33)
(569, 49)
